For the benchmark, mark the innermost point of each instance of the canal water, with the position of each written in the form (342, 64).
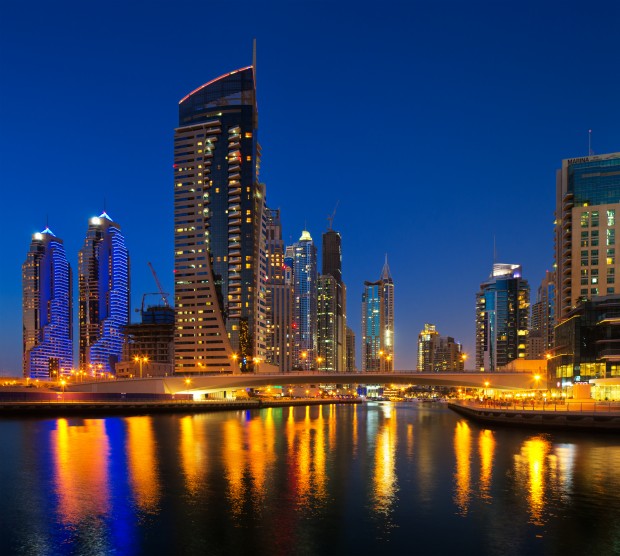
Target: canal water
(378, 478)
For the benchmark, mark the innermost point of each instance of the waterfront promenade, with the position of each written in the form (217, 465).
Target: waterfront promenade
(570, 415)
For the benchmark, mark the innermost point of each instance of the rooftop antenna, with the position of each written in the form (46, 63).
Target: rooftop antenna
(330, 219)
(590, 153)
(494, 251)
(254, 57)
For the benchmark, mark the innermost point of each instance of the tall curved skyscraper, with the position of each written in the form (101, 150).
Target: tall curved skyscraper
(219, 221)
(103, 283)
(46, 309)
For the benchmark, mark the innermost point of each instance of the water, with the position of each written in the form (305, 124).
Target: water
(371, 479)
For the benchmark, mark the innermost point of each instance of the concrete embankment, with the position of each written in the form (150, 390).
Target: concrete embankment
(103, 408)
(601, 418)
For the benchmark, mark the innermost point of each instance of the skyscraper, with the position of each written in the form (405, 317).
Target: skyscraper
(587, 203)
(438, 353)
(502, 315)
(47, 309)
(332, 306)
(350, 366)
(378, 323)
(219, 221)
(103, 284)
(540, 338)
(279, 297)
(304, 325)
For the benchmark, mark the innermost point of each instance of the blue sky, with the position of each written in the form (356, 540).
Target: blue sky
(437, 126)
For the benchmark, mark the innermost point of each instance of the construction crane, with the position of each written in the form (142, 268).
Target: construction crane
(164, 295)
(330, 219)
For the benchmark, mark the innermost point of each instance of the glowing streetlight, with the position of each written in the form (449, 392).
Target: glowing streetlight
(141, 360)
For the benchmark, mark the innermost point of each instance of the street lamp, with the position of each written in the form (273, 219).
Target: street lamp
(304, 356)
(319, 360)
(141, 360)
(256, 362)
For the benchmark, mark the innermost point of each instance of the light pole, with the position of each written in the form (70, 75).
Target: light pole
(141, 360)
(319, 360)
(304, 356)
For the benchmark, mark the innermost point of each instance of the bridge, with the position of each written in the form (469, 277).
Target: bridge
(228, 382)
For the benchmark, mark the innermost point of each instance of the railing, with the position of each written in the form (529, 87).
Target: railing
(553, 405)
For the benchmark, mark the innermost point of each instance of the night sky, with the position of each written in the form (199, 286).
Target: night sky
(435, 126)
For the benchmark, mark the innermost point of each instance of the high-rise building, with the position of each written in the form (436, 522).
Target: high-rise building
(103, 284)
(350, 366)
(502, 315)
(279, 297)
(438, 353)
(304, 265)
(47, 309)
(378, 323)
(219, 221)
(540, 338)
(587, 203)
(332, 306)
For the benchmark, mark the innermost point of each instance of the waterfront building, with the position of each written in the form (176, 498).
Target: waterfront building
(220, 226)
(279, 297)
(332, 306)
(103, 291)
(438, 353)
(587, 344)
(502, 315)
(305, 278)
(350, 366)
(47, 309)
(587, 203)
(540, 337)
(378, 323)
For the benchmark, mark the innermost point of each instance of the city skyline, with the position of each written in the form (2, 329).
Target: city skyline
(504, 118)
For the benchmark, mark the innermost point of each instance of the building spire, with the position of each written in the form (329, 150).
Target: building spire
(254, 59)
(385, 272)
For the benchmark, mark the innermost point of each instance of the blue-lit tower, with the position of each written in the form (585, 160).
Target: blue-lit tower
(305, 277)
(502, 318)
(103, 282)
(378, 323)
(46, 309)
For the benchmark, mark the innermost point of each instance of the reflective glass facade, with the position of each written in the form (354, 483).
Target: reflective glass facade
(305, 278)
(502, 317)
(378, 324)
(103, 283)
(587, 202)
(47, 309)
(220, 227)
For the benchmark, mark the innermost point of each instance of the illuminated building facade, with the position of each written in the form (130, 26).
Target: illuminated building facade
(219, 220)
(540, 338)
(332, 306)
(350, 365)
(279, 297)
(587, 207)
(378, 323)
(46, 309)
(103, 291)
(502, 316)
(438, 353)
(304, 265)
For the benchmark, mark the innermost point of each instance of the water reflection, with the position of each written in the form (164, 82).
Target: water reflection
(462, 453)
(486, 449)
(80, 453)
(143, 473)
(530, 466)
(192, 449)
(385, 482)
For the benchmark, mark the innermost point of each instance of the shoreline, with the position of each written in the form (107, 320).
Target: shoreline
(107, 408)
(575, 420)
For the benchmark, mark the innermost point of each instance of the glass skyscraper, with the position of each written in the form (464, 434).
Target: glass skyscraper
(305, 278)
(586, 226)
(219, 221)
(332, 306)
(47, 309)
(103, 284)
(502, 316)
(378, 323)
